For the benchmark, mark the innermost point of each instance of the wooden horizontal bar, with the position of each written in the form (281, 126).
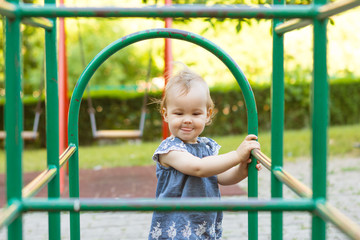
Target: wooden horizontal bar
(324, 11)
(336, 7)
(292, 25)
(10, 213)
(323, 209)
(64, 157)
(333, 215)
(183, 11)
(170, 204)
(298, 187)
(39, 22)
(7, 9)
(45, 176)
(263, 159)
(286, 178)
(39, 182)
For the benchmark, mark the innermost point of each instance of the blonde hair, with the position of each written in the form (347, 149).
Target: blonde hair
(183, 80)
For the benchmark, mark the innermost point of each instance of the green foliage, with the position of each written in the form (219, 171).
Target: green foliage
(344, 98)
(32, 56)
(118, 109)
(127, 66)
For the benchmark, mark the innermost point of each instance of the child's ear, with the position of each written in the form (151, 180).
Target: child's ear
(164, 114)
(209, 114)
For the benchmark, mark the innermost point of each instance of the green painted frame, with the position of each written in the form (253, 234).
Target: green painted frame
(123, 42)
(313, 200)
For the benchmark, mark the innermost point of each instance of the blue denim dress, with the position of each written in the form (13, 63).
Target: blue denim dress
(174, 184)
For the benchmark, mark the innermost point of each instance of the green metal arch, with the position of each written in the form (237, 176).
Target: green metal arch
(117, 45)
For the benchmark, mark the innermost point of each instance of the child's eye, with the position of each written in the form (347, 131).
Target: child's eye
(196, 113)
(178, 113)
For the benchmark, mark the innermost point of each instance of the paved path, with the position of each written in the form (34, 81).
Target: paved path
(343, 192)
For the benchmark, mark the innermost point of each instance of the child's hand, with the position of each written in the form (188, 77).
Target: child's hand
(244, 150)
(258, 164)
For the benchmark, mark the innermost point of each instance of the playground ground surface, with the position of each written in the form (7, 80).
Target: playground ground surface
(343, 192)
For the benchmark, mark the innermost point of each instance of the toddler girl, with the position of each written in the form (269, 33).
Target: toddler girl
(189, 165)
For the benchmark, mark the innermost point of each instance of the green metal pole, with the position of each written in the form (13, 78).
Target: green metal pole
(52, 123)
(320, 115)
(277, 124)
(183, 11)
(169, 204)
(74, 188)
(13, 120)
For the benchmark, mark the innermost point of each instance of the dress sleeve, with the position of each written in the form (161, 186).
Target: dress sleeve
(169, 144)
(212, 145)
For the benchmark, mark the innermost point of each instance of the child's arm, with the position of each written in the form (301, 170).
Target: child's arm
(199, 167)
(235, 174)
(211, 165)
(240, 172)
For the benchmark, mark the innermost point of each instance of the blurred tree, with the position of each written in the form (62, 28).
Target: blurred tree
(32, 56)
(86, 38)
(130, 64)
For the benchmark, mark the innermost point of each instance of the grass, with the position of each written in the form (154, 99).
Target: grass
(296, 144)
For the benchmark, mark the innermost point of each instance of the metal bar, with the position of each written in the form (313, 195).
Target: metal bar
(63, 95)
(13, 119)
(8, 9)
(69, 151)
(170, 204)
(145, 35)
(319, 116)
(342, 222)
(9, 214)
(52, 122)
(265, 161)
(183, 11)
(325, 11)
(39, 182)
(168, 67)
(277, 123)
(39, 22)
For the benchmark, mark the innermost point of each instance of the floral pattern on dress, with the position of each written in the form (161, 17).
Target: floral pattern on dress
(172, 231)
(186, 232)
(201, 229)
(156, 232)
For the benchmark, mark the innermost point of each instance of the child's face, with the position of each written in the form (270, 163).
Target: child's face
(187, 114)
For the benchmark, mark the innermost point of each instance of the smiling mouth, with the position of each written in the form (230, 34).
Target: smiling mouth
(186, 129)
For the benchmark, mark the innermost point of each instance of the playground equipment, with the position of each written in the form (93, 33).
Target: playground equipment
(33, 134)
(118, 133)
(312, 200)
(121, 133)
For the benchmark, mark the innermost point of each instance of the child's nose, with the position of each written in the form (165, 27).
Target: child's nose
(187, 120)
